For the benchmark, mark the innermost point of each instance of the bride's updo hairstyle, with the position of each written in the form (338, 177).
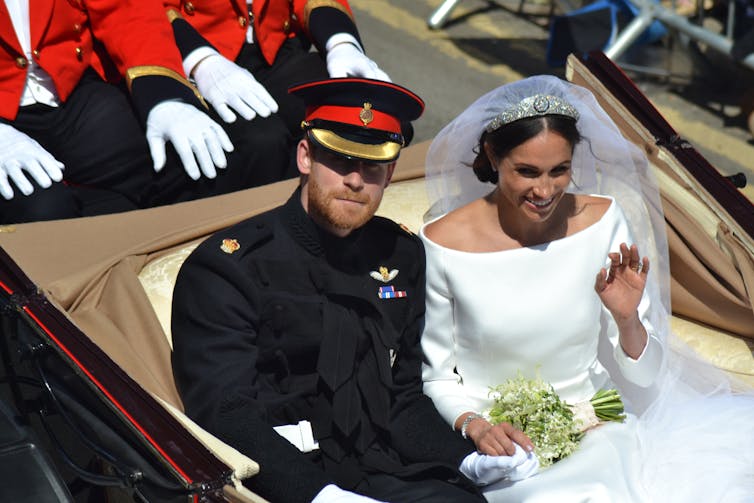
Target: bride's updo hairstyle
(510, 135)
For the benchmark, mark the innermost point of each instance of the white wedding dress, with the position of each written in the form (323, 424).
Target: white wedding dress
(534, 310)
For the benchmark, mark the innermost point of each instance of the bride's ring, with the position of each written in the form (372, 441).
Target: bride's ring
(636, 267)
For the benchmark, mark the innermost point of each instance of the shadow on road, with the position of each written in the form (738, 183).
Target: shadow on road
(524, 55)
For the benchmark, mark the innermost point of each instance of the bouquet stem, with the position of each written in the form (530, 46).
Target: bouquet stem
(608, 405)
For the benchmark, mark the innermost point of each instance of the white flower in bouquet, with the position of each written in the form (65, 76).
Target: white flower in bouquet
(555, 427)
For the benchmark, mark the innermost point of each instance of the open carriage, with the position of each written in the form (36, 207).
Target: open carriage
(85, 308)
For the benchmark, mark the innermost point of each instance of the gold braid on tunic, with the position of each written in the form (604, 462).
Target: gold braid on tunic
(160, 71)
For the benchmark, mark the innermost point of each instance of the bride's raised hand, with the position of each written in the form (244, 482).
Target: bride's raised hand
(620, 288)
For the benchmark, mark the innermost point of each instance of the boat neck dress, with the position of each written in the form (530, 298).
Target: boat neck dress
(534, 311)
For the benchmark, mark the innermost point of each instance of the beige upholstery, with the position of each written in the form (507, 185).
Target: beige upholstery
(405, 203)
(726, 351)
(158, 279)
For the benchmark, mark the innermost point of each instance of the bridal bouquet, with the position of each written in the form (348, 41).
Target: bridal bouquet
(554, 426)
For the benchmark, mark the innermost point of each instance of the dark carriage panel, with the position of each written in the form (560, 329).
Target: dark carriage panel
(55, 371)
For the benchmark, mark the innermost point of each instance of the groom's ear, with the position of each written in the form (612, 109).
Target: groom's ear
(304, 157)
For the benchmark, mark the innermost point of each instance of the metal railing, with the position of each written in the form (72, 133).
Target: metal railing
(649, 12)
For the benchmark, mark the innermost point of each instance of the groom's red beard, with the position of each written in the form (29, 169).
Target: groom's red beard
(325, 207)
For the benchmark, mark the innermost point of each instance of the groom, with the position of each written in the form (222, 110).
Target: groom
(296, 332)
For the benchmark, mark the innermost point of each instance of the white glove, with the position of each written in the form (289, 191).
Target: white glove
(226, 85)
(483, 469)
(19, 153)
(334, 494)
(194, 135)
(346, 60)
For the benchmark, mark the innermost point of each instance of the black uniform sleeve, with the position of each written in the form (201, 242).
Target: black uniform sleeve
(418, 431)
(187, 38)
(214, 322)
(325, 22)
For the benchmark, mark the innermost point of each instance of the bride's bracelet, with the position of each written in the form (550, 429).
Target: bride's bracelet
(467, 421)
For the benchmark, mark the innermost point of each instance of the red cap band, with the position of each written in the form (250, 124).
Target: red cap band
(364, 116)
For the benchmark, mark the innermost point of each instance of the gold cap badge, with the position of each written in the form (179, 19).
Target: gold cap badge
(366, 114)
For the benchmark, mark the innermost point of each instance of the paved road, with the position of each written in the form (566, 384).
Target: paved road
(486, 44)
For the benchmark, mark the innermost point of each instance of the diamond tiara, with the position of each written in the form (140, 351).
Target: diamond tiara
(533, 106)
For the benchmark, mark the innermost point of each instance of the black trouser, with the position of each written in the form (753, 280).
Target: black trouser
(294, 64)
(108, 167)
(385, 487)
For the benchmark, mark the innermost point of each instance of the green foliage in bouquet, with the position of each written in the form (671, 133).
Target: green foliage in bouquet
(534, 407)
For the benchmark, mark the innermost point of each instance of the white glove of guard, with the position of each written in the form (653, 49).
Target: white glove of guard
(347, 60)
(334, 494)
(19, 153)
(194, 135)
(226, 85)
(483, 469)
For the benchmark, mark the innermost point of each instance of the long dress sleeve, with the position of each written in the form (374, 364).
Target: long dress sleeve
(643, 370)
(441, 382)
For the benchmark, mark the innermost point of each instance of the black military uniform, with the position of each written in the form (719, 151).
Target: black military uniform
(277, 321)
(298, 324)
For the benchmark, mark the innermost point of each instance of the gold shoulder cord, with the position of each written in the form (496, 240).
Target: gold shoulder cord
(154, 70)
(314, 4)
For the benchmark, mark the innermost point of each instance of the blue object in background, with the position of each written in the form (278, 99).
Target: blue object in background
(594, 27)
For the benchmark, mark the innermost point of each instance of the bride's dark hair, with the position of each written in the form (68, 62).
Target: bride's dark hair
(511, 135)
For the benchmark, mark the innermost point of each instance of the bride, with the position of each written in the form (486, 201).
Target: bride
(540, 211)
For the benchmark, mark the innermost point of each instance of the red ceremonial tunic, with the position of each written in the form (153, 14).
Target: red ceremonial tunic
(137, 39)
(224, 22)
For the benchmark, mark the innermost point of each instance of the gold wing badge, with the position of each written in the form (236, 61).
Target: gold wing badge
(384, 275)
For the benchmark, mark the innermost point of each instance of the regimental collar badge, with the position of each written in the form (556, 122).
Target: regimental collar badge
(230, 245)
(383, 274)
(366, 114)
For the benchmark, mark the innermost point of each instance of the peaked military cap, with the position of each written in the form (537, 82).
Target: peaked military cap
(359, 118)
